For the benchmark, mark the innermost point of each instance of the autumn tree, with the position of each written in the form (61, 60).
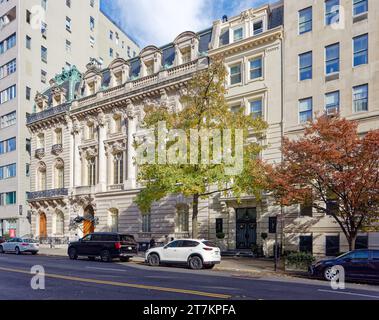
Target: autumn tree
(203, 112)
(336, 171)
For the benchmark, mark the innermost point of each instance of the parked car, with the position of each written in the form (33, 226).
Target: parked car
(196, 254)
(2, 239)
(105, 245)
(358, 265)
(19, 246)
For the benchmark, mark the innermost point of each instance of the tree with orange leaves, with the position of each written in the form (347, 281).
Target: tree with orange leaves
(335, 170)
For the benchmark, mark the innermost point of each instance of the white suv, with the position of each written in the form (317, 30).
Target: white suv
(197, 254)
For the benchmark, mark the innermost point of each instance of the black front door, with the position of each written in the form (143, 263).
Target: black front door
(246, 228)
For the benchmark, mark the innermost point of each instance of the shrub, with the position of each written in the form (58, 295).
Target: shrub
(220, 235)
(300, 259)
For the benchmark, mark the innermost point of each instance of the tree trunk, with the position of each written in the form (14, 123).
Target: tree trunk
(195, 211)
(352, 239)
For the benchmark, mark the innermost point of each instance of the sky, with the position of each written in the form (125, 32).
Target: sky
(158, 22)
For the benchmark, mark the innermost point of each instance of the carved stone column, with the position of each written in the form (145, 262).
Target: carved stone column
(131, 176)
(102, 182)
(76, 179)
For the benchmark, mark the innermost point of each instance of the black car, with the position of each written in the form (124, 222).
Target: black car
(107, 246)
(358, 265)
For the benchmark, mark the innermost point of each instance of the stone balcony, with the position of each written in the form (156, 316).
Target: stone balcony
(47, 194)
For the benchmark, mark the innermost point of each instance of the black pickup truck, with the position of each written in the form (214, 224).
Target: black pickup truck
(105, 245)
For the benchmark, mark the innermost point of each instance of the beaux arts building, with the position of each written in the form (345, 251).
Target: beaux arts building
(85, 124)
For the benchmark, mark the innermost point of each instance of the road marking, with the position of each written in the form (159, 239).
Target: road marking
(128, 285)
(106, 269)
(350, 293)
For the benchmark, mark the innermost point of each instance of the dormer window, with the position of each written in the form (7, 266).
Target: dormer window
(237, 34)
(150, 68)
(224, 37)
(118, 78)
(91, 88)
(258, 27)
(186, 55)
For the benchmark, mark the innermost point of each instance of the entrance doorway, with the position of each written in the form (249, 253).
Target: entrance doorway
(246, 228)
(42, 226)
(88, 224)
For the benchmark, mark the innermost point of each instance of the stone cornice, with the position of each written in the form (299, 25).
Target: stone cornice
(251, 42)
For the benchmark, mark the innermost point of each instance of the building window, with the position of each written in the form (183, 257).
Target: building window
(58, 136)
(257, 27)
(92, 41)
(59, 175)
(10, 198)
(111, 35)
(43, 54)
(8, 94)
(332, 102)
(332, 11)
(146, 222)
(361, 242)
(68, 24)
(118, 168)
(43, 76)
(113, 220)
(235, 74)
(182, 218)
(332, 56)
(59, 223)
(359, 7)
(91, 171)
(44, 4)
(92, 3)
(305, 110)
(237, 34)
(332, 245)
(117, 123)
(90, 131)
(360, 98)
(68, 46)
(28, 93)
(360, 45)
(8, 69)
(8, 120)
(7, 172)
(306, 210)
(68, 3)
(41, 177)
(306, 244)
(111, 52)
(28, 43)
(92, 23)
(43, 29)
(8, 43)
(305, 20)
(41, 141)
(28, 16)
(219, 225)
(305, 66)
(256, 68)
(256, 108)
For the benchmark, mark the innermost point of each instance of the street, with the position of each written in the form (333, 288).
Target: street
(86, 280)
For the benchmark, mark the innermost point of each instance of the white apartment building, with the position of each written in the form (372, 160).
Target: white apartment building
(37, 39)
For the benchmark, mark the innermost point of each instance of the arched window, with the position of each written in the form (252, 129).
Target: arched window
(91, 166)
(41, 176)
(59, 223)
(182, 213)
(118, 168)
(113, 220)
(59, 174)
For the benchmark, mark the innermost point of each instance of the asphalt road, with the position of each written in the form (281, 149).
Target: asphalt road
(86, 280)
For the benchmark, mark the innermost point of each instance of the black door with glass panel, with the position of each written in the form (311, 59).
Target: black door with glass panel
(246, 228)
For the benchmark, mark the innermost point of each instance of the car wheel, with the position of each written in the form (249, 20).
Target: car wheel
(17, 251)
(125, 259)
(72, 254)
(195, 263)
(1, 249)
(105, 256)
(330, 274)
(153, 260)
(209, 266)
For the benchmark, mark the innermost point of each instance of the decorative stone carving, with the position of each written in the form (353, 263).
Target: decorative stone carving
(40, 153)
(59, 163)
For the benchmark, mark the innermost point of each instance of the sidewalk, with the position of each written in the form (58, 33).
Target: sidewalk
(229, 264)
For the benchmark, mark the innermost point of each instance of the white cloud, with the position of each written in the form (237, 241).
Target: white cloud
(159, 21)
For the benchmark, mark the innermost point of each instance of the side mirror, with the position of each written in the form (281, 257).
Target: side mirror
(165, 247)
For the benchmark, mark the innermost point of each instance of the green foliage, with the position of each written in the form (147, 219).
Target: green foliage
(300, 259)
(220, 235)
(203, 107)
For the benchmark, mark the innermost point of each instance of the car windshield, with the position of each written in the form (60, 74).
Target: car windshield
(209, 244)
(29, 241)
